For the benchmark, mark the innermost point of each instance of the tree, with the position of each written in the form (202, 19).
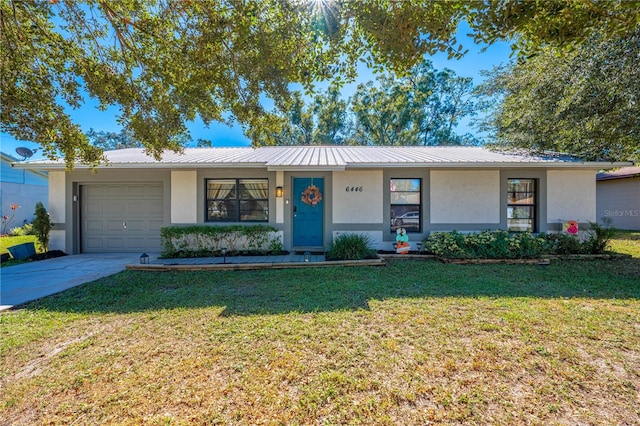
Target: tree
(584, 102)
(441, 100)
(330, 111)
(384, 113)
(321, 122)
(421, 108)
(204, 143)
(42, 225)
(172, 61)
(112, 140)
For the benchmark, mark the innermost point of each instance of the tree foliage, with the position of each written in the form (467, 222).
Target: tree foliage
(421, 108)
(112, 140)
(164, 63)
(585, 101)
(42, 225)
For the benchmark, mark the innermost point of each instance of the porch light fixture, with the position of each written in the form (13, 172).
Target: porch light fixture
(279, 191)
(144, 259)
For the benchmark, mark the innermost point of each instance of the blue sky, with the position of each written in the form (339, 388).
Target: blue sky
(89, 116)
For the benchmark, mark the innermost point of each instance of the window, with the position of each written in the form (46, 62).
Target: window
(406, 204)
(521, 205)
(237, 200)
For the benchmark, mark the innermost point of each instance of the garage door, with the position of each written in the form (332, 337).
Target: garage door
(121, 217)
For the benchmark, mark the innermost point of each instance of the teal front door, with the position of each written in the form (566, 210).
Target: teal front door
(308, 212)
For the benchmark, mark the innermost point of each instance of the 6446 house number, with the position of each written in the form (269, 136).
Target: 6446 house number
(354, 189)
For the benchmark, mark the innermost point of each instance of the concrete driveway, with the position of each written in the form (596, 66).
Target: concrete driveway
(33, 280)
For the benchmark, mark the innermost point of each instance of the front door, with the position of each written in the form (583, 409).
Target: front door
(308, 212)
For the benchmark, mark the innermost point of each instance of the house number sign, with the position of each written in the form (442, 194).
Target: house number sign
(354, 189)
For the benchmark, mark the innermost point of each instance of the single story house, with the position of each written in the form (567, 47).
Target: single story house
(20, 187)
(618, 197)
(313, 193)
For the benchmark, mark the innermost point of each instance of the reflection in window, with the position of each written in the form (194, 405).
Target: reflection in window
(521, 205)
(406, 204)
(237, 200)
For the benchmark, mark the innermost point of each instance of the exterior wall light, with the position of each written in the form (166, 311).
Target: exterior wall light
(279, 191)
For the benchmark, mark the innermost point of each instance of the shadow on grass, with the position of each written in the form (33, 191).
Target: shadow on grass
(352, 288)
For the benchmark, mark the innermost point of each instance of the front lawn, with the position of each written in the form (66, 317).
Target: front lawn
(415, 342)
(627, 242)
(7, 241)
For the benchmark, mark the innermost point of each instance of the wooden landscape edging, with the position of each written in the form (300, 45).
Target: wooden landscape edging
(252, 266)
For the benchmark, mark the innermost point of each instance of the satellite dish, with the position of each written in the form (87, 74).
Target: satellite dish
(25, 152)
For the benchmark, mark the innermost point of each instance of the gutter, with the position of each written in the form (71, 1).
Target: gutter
(394, 165)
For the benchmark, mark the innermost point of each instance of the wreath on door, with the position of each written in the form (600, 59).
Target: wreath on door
(312, 195)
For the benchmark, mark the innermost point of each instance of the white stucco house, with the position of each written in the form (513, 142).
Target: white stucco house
(21, 187)
(618, 197)
(311, 194)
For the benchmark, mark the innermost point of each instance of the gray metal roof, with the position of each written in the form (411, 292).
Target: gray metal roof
(329, 158)
(623, 173)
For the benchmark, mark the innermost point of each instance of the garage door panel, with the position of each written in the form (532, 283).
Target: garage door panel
(93, 209)
(105, 208)
(154, 207)
(94, 191)
(94, 244)
(136, 226)
(155, 225)
(95, 225)
(114, 243)
(113, 191)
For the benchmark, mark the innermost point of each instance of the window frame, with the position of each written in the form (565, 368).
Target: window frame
(409, 207)
(533, 205)
(236, 200)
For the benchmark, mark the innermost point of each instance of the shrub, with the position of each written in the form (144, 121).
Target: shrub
(485, 245)
(205, 240)
(445, 244)
(599, 236)
(42, 226)
(562, 244)
(350, 247)
(21, 231)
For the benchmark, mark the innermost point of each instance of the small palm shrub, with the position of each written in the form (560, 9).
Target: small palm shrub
(350, 247)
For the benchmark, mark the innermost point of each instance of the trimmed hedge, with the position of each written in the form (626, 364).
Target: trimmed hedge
(207, 241)
(504, 245)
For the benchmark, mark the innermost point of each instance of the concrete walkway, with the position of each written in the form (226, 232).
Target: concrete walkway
(33, 280)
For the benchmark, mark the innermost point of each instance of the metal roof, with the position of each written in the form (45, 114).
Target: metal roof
(328, 158)
(623, 173)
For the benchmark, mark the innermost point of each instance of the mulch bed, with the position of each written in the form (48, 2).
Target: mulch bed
(48, 255)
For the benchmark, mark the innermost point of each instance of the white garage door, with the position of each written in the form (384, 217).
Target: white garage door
(121, 217)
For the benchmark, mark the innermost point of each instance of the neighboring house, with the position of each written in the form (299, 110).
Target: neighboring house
(22, 187)
(618, 197)
(326, 190)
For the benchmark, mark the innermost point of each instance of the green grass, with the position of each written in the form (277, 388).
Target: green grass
(627, 242)
(414, 342)
(6, 241)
